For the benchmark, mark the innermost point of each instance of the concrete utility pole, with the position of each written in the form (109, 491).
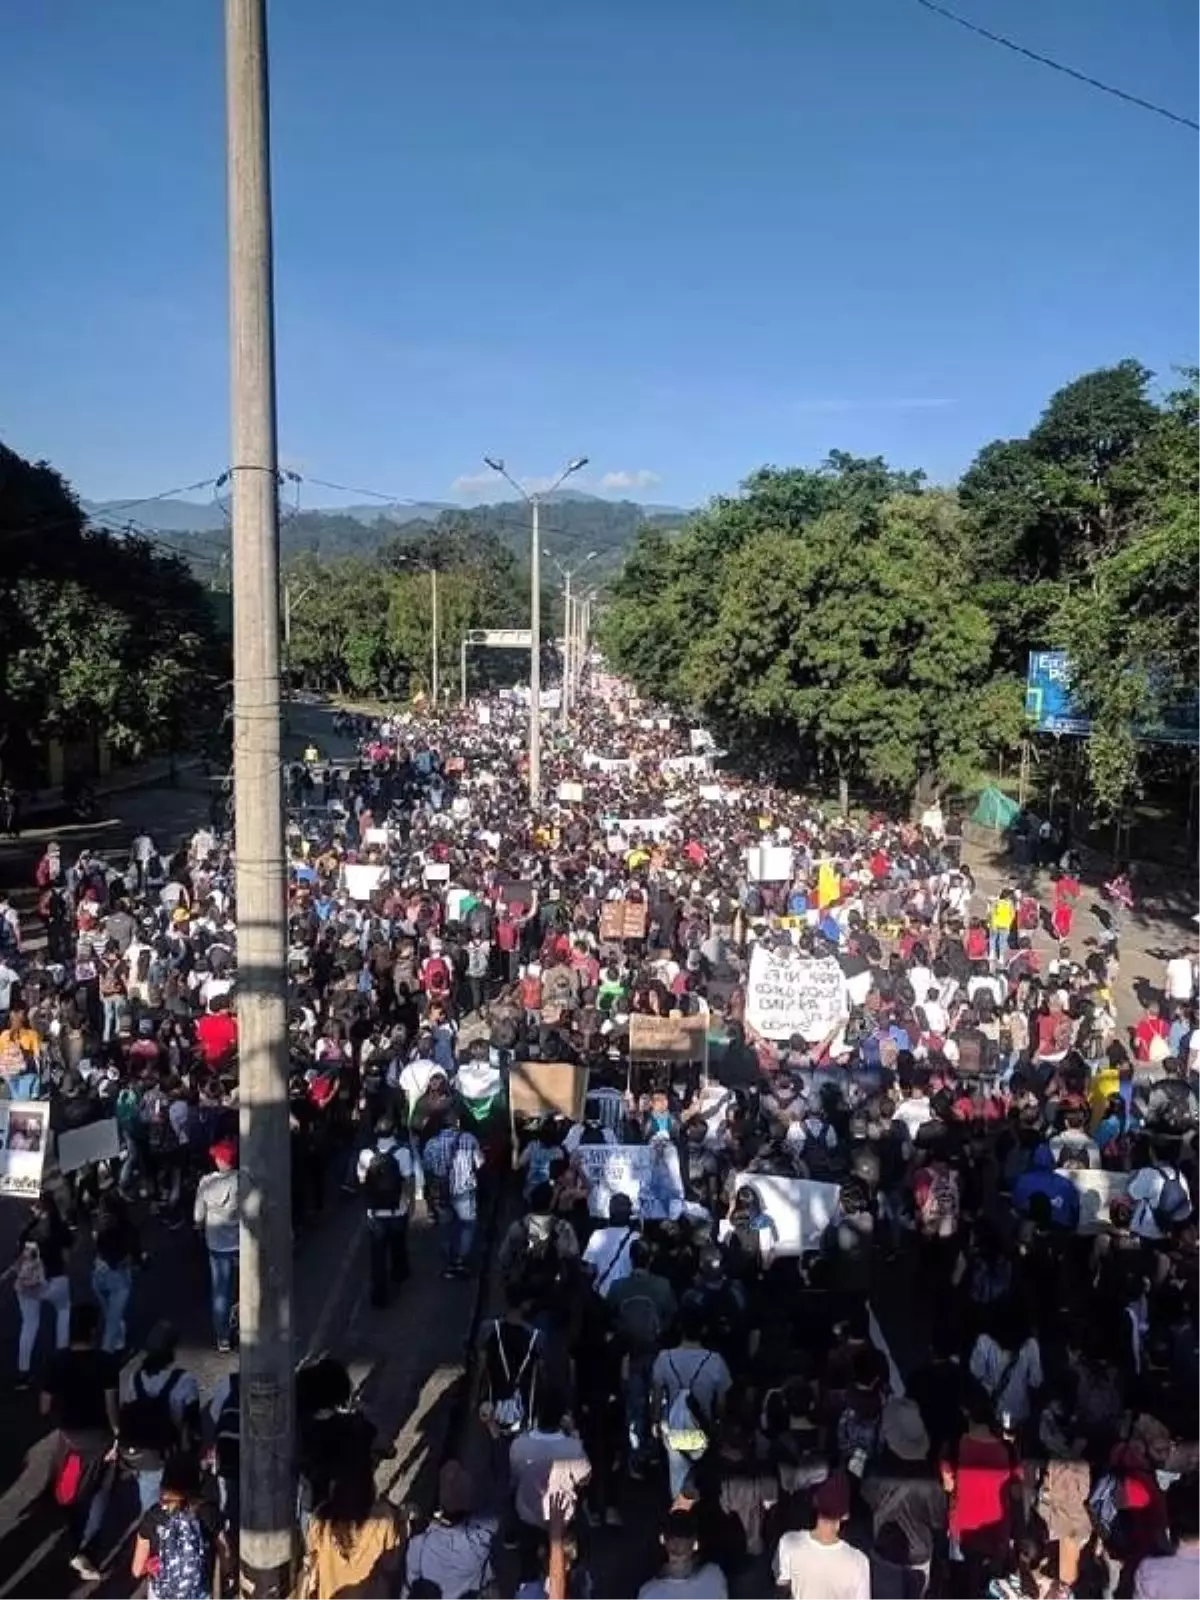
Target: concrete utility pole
(564, 707)
(266, 1357)
(535, 613)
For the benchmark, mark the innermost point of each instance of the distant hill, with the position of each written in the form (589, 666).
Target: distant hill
(573, 526)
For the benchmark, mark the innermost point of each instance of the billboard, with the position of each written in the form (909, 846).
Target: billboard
(1049, 707)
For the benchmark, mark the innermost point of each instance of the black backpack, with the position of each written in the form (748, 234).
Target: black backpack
(228, 1435)
(148, 1430)
(383, 1182)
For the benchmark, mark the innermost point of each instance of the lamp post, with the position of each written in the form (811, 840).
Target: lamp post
(534, 501)
(571, 614)
(429, 563)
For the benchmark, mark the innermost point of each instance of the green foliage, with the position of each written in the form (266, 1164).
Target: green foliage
(98, 634)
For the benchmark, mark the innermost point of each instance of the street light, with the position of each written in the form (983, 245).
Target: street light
(496, 463)
(570, 641)
(415, 561)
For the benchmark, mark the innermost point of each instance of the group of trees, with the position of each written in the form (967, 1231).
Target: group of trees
(864, 628)
(365, 625)
(100, 635)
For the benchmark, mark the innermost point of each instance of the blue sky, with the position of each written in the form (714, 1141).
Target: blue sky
(683, 237)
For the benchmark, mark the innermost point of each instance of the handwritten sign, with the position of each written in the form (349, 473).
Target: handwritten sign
(787, 993)
(623, 919)
(647, 1173)
(667, 1038)
(800, 1209)
(537, 1087)
(24, 1130)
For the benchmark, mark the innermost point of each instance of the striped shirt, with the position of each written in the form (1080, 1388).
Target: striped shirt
(453, 1158)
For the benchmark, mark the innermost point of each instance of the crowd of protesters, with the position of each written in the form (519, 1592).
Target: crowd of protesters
(1041, 1436)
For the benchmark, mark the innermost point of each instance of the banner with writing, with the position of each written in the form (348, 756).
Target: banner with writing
(1096, 1190)
(667, 1038)
(24, 1130)
(647, 1173)
(800, 1209)
(787, 993)
(623, 919)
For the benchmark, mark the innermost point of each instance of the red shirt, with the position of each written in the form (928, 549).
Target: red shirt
(217, 1035)
(1147, 1030)
(979, 1508)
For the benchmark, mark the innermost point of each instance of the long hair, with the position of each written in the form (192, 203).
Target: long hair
(351, 1498)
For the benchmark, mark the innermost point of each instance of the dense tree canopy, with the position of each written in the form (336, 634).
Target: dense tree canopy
(98, 633)
(879, 631)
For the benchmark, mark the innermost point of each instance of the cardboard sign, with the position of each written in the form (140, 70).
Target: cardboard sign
(787, 993)
(800, 1209)
(1096, 1189)
(623, 919)
(647, 1173)
(536, 1087)
(99, 1141)
(667, 1038)
(571, 793)
(24, 1130)
(363, 880)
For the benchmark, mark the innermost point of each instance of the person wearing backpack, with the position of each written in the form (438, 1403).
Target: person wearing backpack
(385, 1174)
(178, 1538)
(642, 1308)
(159, 1415)
(1161, 1199)
(688, 1386)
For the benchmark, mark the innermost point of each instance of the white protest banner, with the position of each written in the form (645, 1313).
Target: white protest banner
(24, 1130)
(712, 792)
(437, 872)
(99, 1141)
(570, 794)
(684, 764)
(800, 1209)
(362, 880)
(375, 836)
(1096, 1190)
(647, 1173)
(483, 715)
(789, 993)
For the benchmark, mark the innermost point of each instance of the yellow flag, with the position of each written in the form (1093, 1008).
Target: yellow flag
(829, 888)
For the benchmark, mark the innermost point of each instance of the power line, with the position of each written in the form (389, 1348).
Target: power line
(1059, 66)
(148, 499)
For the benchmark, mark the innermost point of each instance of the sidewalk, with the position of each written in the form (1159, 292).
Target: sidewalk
(139, 775)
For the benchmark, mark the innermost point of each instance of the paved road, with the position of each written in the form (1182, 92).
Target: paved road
(32, 1550)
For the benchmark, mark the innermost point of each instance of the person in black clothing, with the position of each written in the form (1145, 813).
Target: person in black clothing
(40, 1279)
(907, 1504)
(118, 1250)
(80, 1393)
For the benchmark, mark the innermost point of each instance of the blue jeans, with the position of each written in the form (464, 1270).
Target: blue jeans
(24, 1086)
(222, 1267)
(456, 1225)
(112, 1287)
(997, 944)
(111, 1005)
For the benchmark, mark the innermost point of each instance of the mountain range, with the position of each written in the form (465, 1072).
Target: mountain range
(575, 526)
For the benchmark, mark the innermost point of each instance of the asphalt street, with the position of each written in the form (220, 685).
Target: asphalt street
(33, 1547)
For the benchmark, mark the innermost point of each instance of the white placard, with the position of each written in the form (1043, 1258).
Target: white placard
(628, 826)
(24, 1130)
(1096, 1189)
(769, 863)
(570, 793)
(362, 879)
(437, 872)
(647, 1173)
(684, 764)
(99, 1141)
(375, 836)
(789, 993)
(712, 792)
(800, 1209)
(701, 740)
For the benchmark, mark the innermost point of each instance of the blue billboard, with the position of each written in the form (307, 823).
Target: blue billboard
(1049, 707)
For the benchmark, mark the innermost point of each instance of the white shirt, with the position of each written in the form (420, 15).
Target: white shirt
(1181, 978)
(814, 1571)
(914, 1113)
(402, 1156)
(608, 1253)
(1145, 1190)
(455, 1556)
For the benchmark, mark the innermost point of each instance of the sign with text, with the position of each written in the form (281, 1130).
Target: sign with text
(570, 794)
(769, 863)
(787, 993)
(362, 881)
(647, 1173)
(24, 1130)
(667, 1038)
(537, 1087)
(799, 1209)
(623, 919)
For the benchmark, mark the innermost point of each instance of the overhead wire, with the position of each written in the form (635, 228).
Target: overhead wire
(1058, 66)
